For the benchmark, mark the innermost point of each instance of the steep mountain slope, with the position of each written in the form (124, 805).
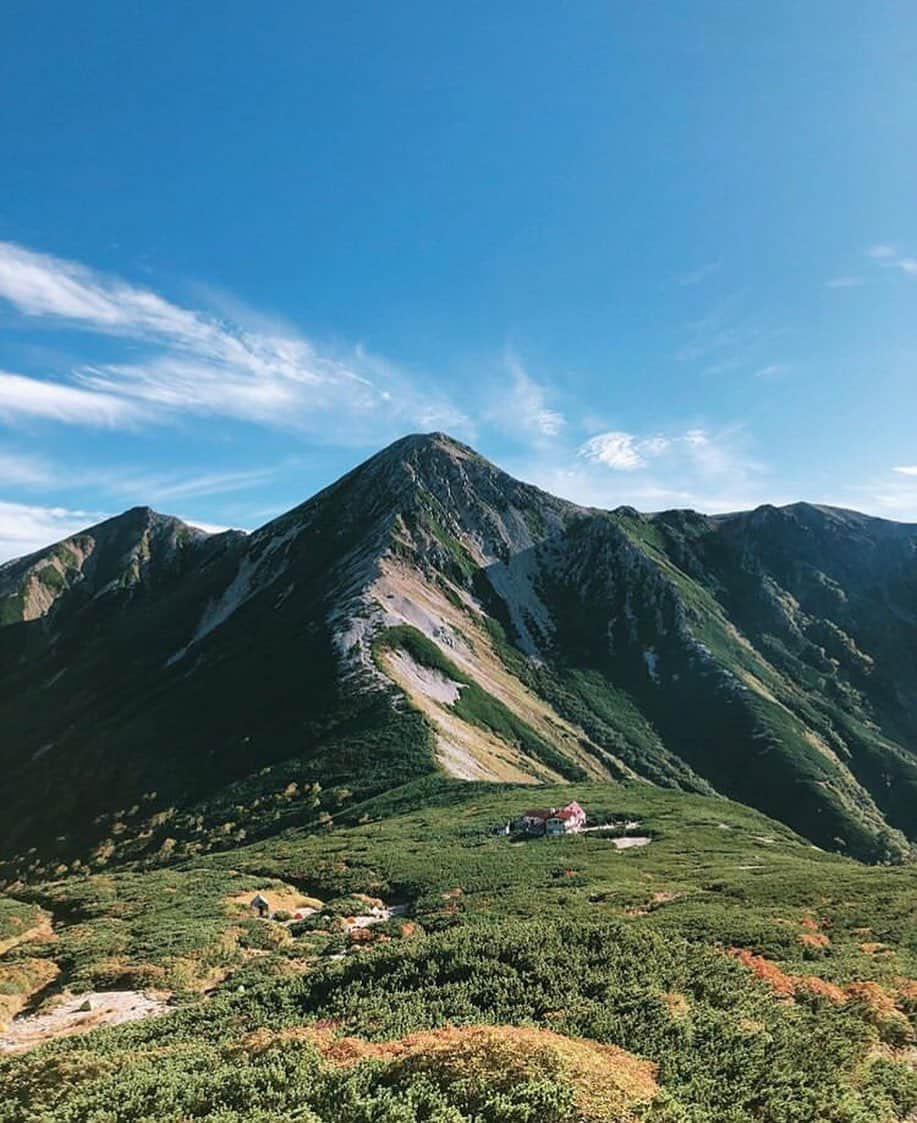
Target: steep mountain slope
(161, 688)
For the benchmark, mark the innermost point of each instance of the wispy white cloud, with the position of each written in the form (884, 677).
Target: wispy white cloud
(727, 339)
(848, 282)
(652, 490)
(772, 370)
(891, 494)
(519, 404)
(25, 528)
(696, 276)
(23, 470)
(23, 397)
(26, 471)
(890, 258)
(157, 488)
(891, 499)
(196, 364)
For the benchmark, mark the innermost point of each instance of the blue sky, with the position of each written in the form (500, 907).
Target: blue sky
(662, 254)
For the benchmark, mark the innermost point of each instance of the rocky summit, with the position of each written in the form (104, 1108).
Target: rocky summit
(429, 613)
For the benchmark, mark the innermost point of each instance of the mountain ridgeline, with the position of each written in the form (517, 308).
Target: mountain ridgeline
(167, 691)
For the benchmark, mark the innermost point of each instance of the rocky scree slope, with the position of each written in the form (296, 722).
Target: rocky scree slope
(429, 610)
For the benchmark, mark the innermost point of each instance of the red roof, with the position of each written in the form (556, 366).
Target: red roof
(571, 811)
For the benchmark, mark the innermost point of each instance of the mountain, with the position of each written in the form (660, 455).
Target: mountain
(166, 690)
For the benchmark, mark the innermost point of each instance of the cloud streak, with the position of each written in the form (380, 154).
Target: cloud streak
(890, 258)
(726, 340)
(24, 471)
(194, 363)
(157, 489)
(23, 397)
(521, 406)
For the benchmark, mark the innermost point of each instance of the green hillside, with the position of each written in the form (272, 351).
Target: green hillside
(761, 978)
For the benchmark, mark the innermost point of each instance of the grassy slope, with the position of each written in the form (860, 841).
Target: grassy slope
(623, 947)
(760, 732)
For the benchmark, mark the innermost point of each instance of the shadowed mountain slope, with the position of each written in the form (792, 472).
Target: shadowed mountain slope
(428, 611)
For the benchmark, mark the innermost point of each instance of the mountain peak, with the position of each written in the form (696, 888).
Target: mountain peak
(672, 648)
(120, 552)
(435, 443)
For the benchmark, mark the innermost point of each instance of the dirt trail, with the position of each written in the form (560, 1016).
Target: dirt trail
(69, 1015)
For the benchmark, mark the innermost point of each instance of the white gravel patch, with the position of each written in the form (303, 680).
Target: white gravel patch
(630, 841)
(425, 680)
(67, 1016)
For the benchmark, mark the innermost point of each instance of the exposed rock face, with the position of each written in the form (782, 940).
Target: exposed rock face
(771, 656)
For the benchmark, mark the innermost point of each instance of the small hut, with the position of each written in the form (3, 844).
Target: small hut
(261, 905)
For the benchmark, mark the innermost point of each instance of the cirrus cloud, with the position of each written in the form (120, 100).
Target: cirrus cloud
(194, 363)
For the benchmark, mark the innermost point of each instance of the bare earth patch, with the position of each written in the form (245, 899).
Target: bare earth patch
(69, 1016)
(629, 841)
(280, 898)
(38, 932)
(20, 981)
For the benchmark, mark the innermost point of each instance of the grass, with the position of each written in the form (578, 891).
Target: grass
(627, 949)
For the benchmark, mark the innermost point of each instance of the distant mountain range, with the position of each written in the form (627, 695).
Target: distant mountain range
(160, 685)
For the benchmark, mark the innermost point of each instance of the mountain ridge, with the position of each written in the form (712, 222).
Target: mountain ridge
(428, 610)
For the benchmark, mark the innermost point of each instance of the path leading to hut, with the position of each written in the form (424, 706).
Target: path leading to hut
(625, 841)
(375, 914)
(79, 1013)
(630, 825)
